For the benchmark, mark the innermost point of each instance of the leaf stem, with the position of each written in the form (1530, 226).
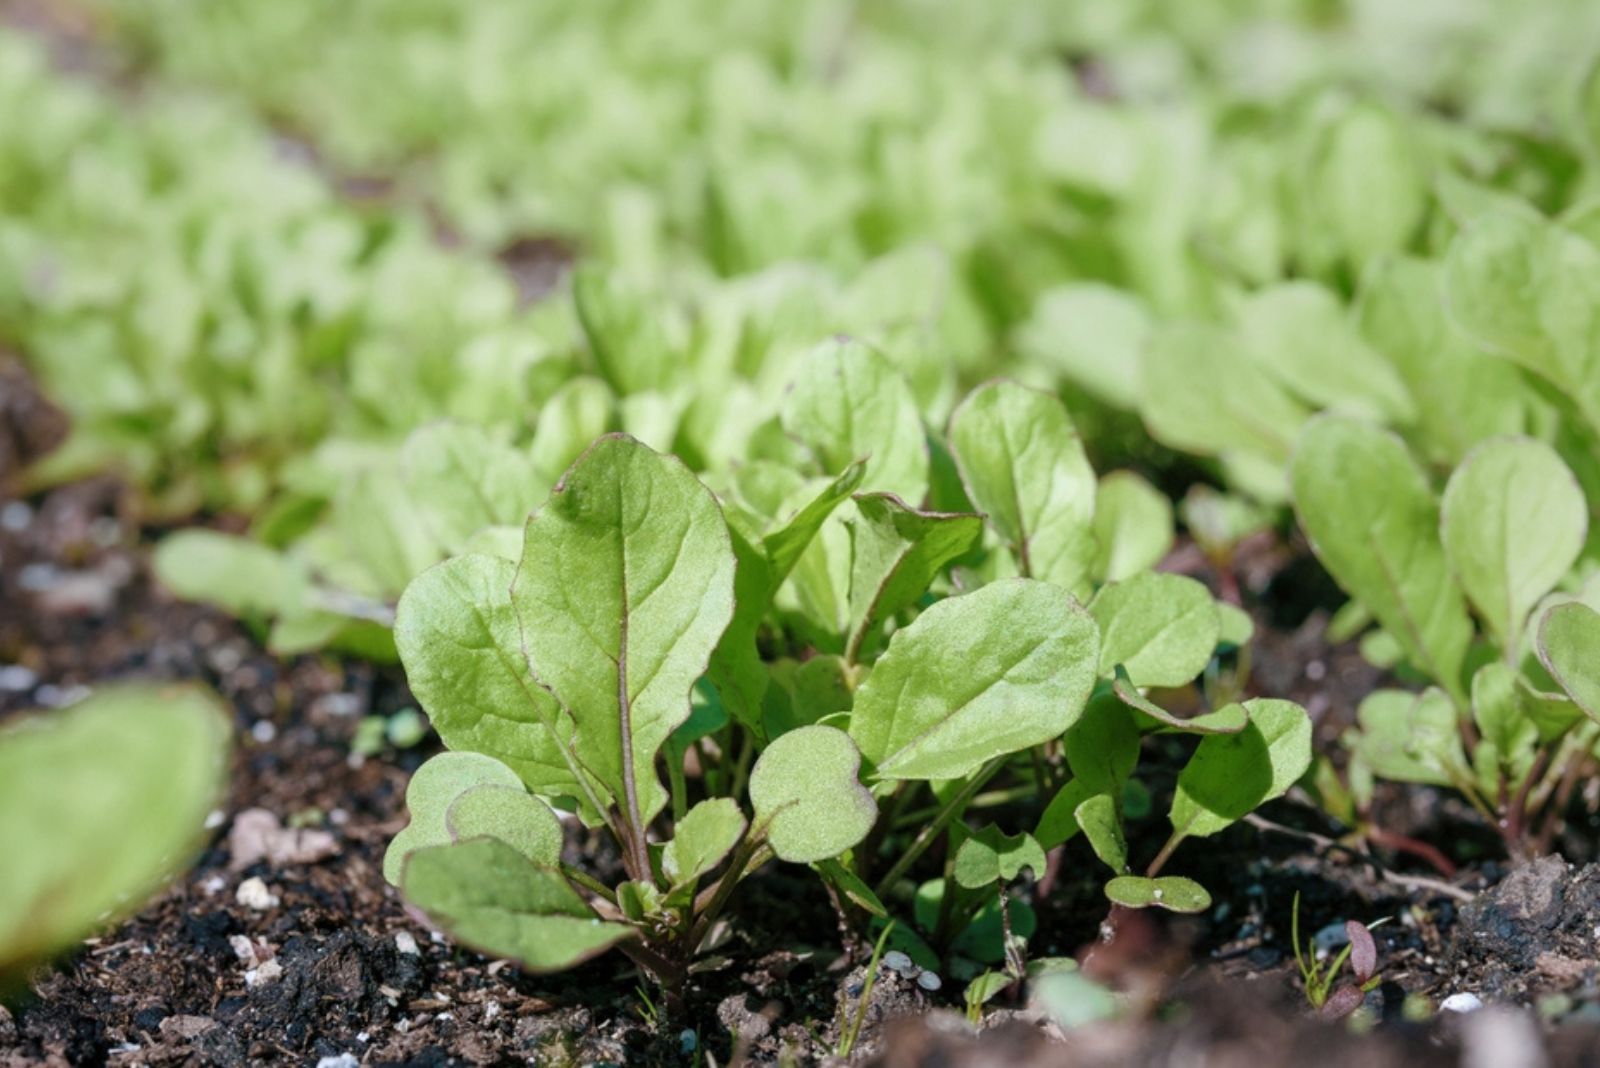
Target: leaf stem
(952, 808)
(588, 882)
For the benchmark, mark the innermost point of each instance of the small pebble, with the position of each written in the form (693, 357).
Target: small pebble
(897, 961)
(1461, 1003)
(214, 884)
(215, 818)
(343, 1060)
(253, 894)
(929, 982)
(269, 972)
(406, 943)
(688, 1041)
(263, 730)
(1330, 938)
(14, 678)
(16, 516)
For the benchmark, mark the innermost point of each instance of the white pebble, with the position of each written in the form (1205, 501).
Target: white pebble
(268, 972)
(406, 943)
(929, 982)
(14, 678)
(253, 894)
(263, 731)
(215, 818)
(214, 884)
(343, 1060)
(1461, 1003)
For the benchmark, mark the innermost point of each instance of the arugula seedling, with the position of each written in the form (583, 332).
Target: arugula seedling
(1503, 721)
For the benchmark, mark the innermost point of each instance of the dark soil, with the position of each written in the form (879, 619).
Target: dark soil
(328, 962)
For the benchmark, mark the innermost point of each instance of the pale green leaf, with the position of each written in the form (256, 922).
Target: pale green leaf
(1569, 648)
(849, 404)
(1513, 522)
(1162, 628)
(701, 839)
(489, 897)
(462, 480)
(896, 552)
(1101, 822)
(99, 805)
(510, 814)
(1132, 526)
(625, 587)
(1171, 892)
(807, 794)
(1385, 552)
(432, 790)
(978, 676)
(991, 856)
(1023, 465)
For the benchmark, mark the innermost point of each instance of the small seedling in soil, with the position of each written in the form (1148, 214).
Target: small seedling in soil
(1330, 1001)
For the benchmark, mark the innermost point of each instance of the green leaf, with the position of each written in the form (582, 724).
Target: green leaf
(975, 677)
(706, 834)
(237, 574)
(808, 798)
(1023, 465)
(432, 790)
(804, 692)
(784, 544)
(1504, 727)
(1230, 775)
(100, 804)
(580, 411)
(1301, 334)
(1229, 719)
(1569, 648)
(850, 885)
(897, 552)
(1091, 333)
(463, 480)
(1101, 822)
(1132, 526)
(1196, 399)
(1463, 395)
(1102, 747)
(1059, 821)
(488, 896)
(1385, 552)
(1171, 892)
(1406, 737)
(510, 814)
(636, 342)
(850, 404)
(1530, 290)
(1162, 628)
(625, 587)
(458, 639)
(1234, 625)
(991, 856)
(1513, 522)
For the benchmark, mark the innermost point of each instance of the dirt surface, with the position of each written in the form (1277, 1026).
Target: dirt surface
(284, 945)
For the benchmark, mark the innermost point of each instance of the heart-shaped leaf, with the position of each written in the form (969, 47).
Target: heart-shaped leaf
(510, 814)
(624, 588)
(432, 790)
(1513, 521)
(1171, 892)
(700, 840)
(991, 672)
(99, 805)
(1411, 737)
(1161, 628)
(1023, 465)
(487, 895)
(807, 794)
(991, 856)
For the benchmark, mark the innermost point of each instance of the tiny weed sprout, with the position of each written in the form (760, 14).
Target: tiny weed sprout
(1360, 952)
